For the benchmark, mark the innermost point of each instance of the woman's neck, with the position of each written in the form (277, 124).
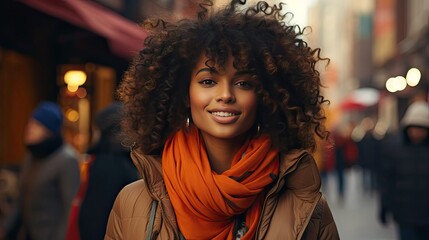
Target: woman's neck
(221, 152)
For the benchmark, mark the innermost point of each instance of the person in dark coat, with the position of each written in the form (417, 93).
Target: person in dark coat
(404, 183)
(345, 156)
(110, 170)
(369, 155)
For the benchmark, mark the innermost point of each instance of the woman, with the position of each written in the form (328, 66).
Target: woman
(224, 111)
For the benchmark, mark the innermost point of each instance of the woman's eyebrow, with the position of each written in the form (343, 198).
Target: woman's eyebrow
(211, 70)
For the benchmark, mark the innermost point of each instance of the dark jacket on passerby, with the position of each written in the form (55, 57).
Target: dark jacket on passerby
(294, 208)
(368, 152)
(369, 160)
(404, 181)
(110, 170)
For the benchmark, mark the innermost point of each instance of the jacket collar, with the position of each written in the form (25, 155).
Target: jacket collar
(150, 169)
(293, 177)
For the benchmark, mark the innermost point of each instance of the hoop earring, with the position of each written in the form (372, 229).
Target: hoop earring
(187, 122)
(258, 129)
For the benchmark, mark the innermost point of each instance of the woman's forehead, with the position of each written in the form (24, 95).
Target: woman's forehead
(213, 62)
(220, 60)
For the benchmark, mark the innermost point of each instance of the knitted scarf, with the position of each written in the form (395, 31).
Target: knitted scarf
(46, 147)
(206, 203)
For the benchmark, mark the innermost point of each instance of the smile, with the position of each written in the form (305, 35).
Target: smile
(224, 114)
(225, 117)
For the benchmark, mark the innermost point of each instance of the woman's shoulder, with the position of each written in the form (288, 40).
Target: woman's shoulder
(134, 190)
(303, 175)
(134, 198)
(130, 212)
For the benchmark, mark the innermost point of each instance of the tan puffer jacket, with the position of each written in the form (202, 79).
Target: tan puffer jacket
(294, 208)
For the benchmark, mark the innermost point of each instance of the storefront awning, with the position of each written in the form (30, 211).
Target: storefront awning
(125, 37)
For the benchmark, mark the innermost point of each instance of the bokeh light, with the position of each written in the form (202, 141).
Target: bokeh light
(413, 77)
(72, 115)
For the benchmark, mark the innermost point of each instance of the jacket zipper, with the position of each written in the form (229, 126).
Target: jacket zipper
(265, 204)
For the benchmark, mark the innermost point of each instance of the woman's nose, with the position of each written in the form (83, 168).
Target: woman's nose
(225, 93)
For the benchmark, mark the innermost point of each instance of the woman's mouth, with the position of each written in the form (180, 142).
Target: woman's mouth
(225, 117)
(224, 114)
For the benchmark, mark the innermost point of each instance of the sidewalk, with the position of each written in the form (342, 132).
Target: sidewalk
(356, 214)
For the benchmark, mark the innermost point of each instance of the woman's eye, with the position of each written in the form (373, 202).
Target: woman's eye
(244, 84)
(207, 82)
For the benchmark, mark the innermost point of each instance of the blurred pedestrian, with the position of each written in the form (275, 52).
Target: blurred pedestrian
(8, 192)
(224, 110)
(369, 155)
(110, 169)
(49, 179)
(345, 154)
(404, 183)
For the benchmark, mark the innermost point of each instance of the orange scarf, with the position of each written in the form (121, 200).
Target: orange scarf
(205, 202)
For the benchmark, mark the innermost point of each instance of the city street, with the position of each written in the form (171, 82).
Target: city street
(356, 214)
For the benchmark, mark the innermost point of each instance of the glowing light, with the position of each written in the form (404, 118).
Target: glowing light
(395, 84)
(413, 77)
(75, 77)
(390, 85)
(401, 83)
(72, 115)
(81, 92)
(72, 88)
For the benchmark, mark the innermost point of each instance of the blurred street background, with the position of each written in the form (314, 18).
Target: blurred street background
(75, 53)
(356, 214)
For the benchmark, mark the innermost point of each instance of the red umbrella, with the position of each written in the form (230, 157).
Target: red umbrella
(349, 104)
(360, 99)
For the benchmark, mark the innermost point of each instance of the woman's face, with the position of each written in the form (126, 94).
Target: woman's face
(223, 102)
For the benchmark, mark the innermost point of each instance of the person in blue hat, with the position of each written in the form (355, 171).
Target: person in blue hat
(49, 179)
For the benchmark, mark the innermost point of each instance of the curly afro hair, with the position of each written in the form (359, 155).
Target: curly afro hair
(156, 85)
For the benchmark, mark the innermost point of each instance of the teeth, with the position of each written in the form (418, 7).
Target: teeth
(223, 114)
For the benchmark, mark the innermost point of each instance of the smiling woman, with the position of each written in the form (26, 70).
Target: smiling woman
(224, 111)
(223, 104)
